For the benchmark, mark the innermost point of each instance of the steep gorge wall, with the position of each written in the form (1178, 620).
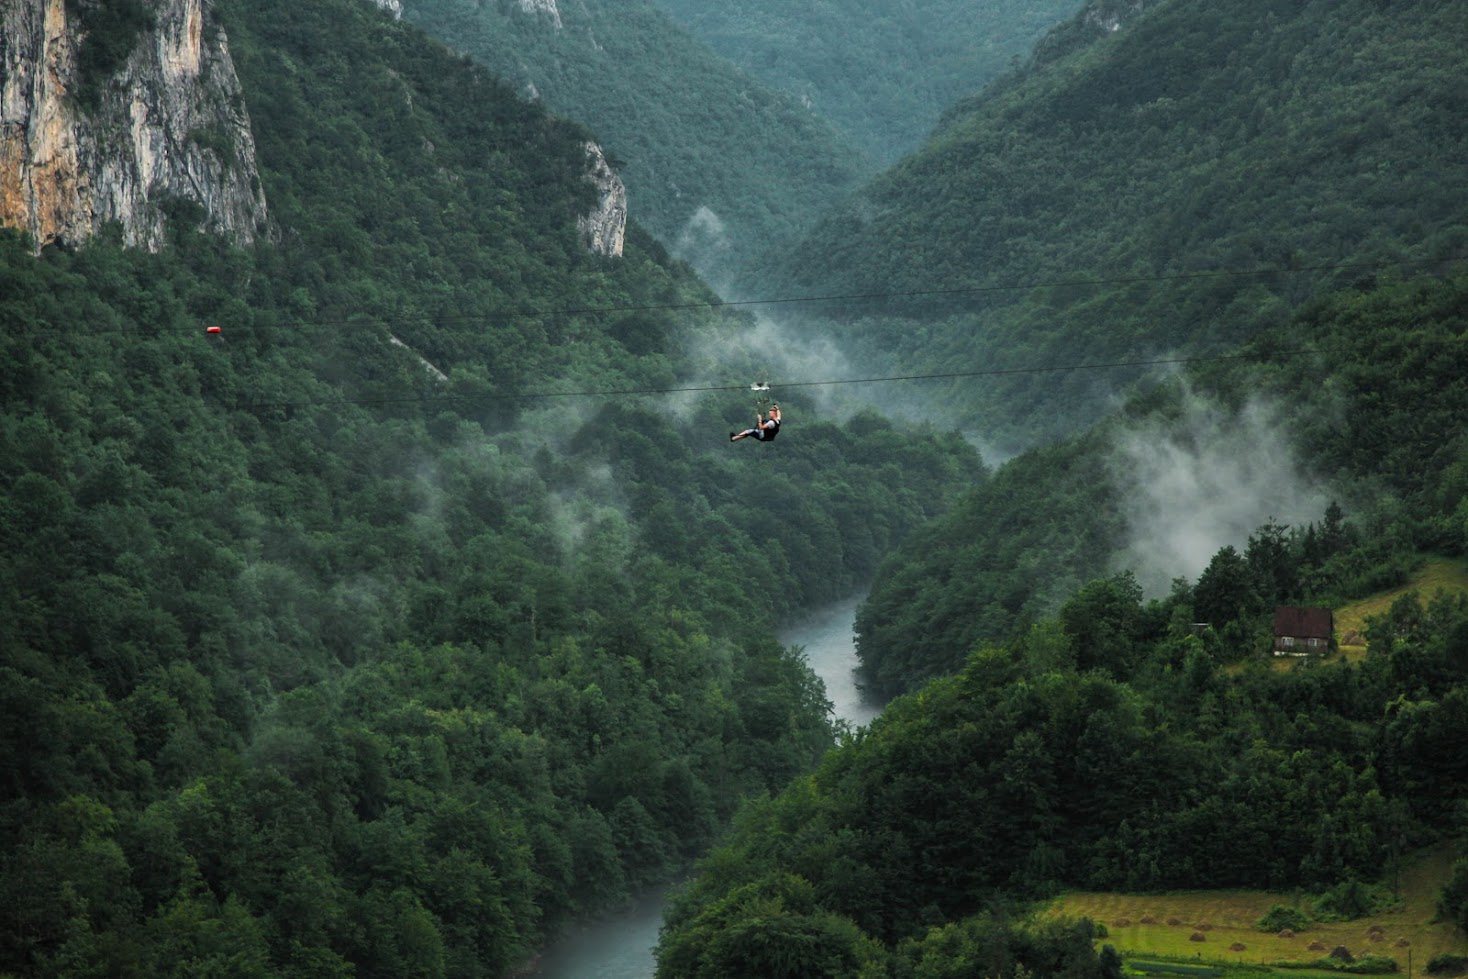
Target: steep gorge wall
(168, 125)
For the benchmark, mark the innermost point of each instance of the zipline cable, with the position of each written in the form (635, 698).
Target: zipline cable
(783, 385)
(956, 291)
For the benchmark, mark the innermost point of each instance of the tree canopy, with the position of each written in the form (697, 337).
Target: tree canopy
(314, 661)
(1373, 406)
(717, 164)
(1170, 188)
(424, 609)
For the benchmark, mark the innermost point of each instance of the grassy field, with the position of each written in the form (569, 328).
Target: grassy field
(1436, 574)
(1163, 925)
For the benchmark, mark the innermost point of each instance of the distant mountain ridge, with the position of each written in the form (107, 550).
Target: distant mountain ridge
(1196, 139)
(881, 72)
(716, 164)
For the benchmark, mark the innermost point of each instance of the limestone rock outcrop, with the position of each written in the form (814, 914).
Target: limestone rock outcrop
(605, 228)
(545, 7)
(160, 135)
(394, 7)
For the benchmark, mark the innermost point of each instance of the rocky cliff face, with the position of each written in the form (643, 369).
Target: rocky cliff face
(547, 8)
(604, 228)
(1108, 16)
(1096, 19)
(394, 7)
(164, 126)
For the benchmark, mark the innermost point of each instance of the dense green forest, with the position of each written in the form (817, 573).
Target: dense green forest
(1172, 187)
(312, 664)
(1374, 405)
(1030, 770)
(1124, 743)
(403, 623)
(716, 163)
(882, 73)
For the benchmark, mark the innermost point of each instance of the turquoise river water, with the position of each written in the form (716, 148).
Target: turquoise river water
(620, 947)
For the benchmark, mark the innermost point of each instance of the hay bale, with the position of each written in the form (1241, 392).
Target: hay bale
(1342, 953)
(1402, 943)
(1203, 926)
(1147, 919)
(1121, 923)
(1197, 936)
(1375, 936)
(1237, 947)
(1174, 921)
(1286, 933)
(1316, 946)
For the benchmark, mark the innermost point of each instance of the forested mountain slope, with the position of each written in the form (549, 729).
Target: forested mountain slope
(1129, 744)
(1371, 412)
(716, 163)
(881, 73)
(314, 663)
(1100, 205)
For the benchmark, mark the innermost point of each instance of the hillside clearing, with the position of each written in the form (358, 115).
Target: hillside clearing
(1164, 925)
(1435, 575)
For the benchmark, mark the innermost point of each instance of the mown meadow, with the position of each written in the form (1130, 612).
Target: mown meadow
(1164, 926)
(1436, 575)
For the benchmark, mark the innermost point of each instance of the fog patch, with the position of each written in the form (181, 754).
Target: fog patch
(553, 421)
(769, 351)
(704, 243)
(990, 451)
(590, 518)
(524, 465)
(1190, 486)
(684, 405)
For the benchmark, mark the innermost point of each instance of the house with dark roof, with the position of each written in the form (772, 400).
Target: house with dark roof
(1302, 631)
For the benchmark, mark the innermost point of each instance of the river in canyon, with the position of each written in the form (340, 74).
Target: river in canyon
(620, 947)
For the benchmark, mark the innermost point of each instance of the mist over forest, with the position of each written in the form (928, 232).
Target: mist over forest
(382, 595)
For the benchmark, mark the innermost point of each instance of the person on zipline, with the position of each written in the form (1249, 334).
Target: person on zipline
(764, 430)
